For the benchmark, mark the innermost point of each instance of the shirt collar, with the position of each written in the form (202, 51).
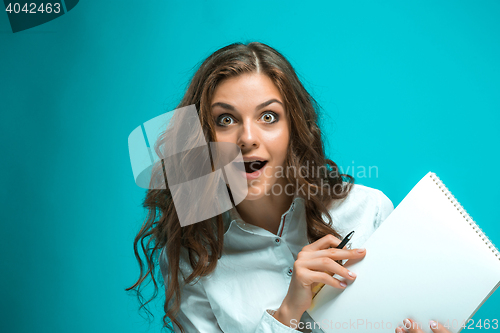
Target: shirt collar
(232, 216)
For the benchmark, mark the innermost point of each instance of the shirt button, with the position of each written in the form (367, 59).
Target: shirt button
(289, 272)
(277, 241)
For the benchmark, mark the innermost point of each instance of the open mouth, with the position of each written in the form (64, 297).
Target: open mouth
(253, 166)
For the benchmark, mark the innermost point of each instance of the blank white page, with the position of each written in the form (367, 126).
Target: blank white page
(427, 260)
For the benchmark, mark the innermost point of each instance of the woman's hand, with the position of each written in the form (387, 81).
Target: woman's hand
(309, 269)
(410, 326)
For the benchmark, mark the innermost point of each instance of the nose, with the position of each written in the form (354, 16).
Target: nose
(248, 136)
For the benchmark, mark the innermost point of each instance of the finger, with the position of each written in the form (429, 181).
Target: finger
(327, 264)
(437, 327)
(412, 326)
(335, 254)
(324, 278)
(324, 242)
(401, 329)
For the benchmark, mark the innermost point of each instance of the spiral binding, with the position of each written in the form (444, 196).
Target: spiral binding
(466, 216)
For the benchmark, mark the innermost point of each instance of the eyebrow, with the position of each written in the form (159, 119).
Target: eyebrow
(260, 106)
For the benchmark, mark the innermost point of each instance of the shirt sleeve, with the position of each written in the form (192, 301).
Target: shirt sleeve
(195, 313)
(385, 208)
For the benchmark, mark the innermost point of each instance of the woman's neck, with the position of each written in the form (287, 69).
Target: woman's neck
(266, 211)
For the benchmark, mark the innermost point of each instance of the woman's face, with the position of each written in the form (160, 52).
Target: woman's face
(248, 111)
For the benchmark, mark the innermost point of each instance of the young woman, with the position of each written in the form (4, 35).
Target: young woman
(253, 268)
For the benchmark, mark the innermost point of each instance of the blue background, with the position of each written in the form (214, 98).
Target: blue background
(406, 87)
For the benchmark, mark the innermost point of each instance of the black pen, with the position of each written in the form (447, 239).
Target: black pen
(345, 240)
(340, 246)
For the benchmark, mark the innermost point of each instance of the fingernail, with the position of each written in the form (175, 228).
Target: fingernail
(407, 324)
(351, 274)
(361, 250)
(342, 284)
(433, 324)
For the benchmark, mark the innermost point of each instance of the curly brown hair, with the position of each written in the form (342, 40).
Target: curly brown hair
(204, 240)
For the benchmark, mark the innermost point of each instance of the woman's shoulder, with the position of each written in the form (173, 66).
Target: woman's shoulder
(361, 195)
(364, 209)
(185, 268)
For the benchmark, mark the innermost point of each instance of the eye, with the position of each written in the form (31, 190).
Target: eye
(270, 117)
(224, 120)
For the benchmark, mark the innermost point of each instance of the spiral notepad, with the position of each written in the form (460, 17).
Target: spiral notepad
(427, 260)
(464, 214)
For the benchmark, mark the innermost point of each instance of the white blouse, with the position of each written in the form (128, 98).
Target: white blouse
(253, 275)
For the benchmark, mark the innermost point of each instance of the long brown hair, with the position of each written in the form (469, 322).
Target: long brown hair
(204, 240)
